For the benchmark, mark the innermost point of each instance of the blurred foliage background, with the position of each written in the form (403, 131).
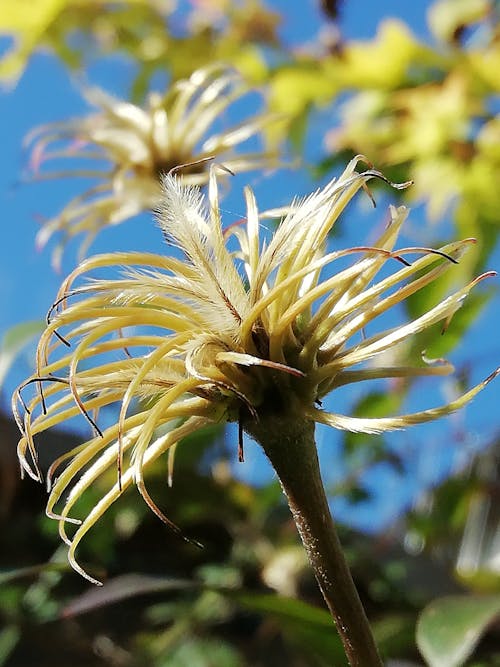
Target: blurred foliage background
(427, 112)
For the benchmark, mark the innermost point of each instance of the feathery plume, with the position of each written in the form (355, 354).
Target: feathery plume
(234, 331)
(127, 149)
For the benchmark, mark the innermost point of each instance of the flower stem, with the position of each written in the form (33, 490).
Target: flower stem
(289, 444)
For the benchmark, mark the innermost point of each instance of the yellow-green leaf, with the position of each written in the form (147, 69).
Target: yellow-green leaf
(26, 21)
(449, 629)
(447, 17)
(13, 342)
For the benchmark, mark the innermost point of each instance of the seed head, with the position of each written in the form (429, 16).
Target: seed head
(234, 330)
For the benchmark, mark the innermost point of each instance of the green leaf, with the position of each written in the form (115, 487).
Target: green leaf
(13, 342)
(394, 634)
(295, 88)
(298, 130)
(286, 608)
(27, 22)
(9, 637)
(312, 628)
(449, 629)
(373, 404)
(309, 627)
(202, 653)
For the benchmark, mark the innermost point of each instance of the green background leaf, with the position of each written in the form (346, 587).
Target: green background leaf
(449, 629)
(13, 342)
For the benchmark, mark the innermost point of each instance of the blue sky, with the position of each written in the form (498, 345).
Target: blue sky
(46, 93)
(28, 284)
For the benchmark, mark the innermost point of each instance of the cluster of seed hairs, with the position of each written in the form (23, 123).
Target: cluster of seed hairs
(240, 328)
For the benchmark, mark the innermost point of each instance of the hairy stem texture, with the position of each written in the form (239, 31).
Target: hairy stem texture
(289, 444)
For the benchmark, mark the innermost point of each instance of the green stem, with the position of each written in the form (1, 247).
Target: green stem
(289, 444)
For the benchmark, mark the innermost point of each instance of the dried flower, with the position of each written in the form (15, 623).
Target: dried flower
(237, 330)
(138, 145)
